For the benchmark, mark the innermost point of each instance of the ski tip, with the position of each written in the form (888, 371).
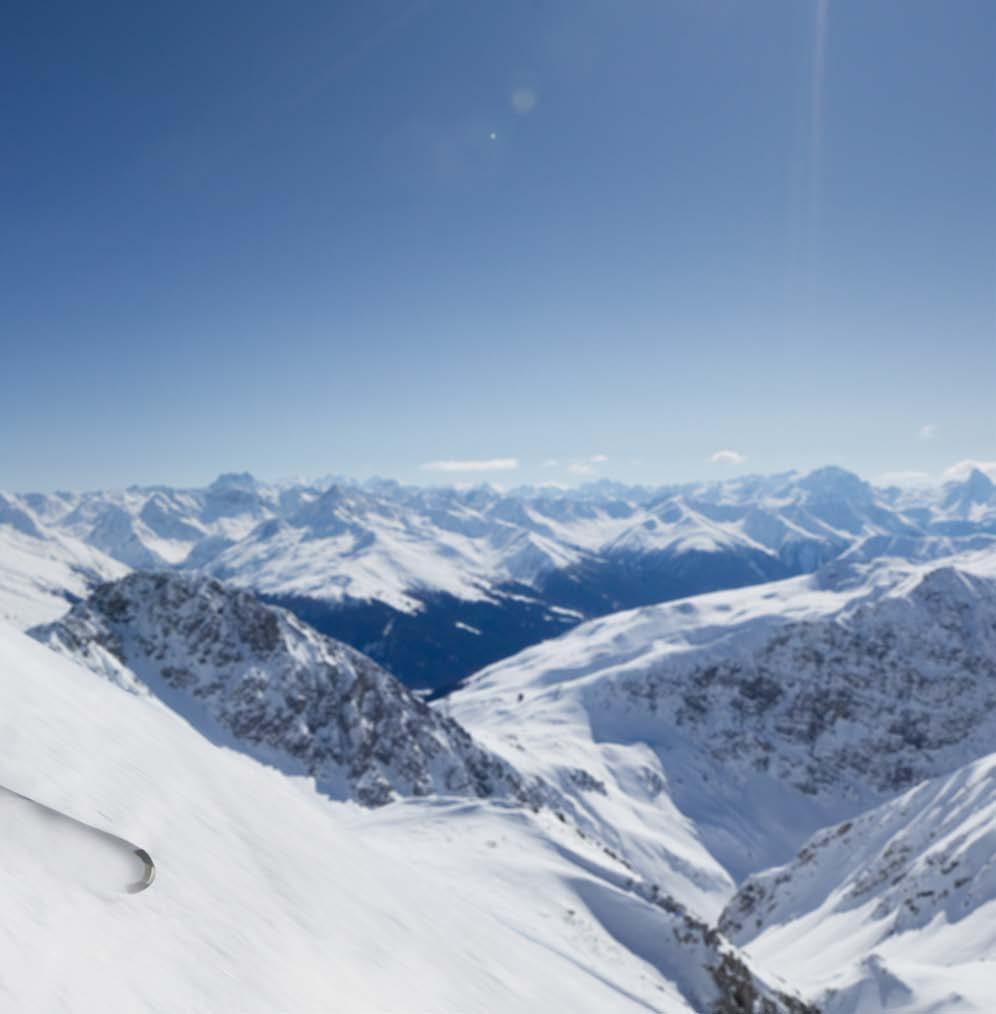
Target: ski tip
(148, 876)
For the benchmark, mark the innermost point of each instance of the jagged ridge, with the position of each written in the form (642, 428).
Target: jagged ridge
(256, 675)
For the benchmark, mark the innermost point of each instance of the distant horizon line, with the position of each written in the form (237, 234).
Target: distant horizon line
(959, 472)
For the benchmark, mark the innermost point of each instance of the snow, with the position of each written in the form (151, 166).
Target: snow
(256, 678)
(672, 751)
(83, 853)
(40, 570)
(896, 907)
(270, 897)
(725, 728)
(385, 542)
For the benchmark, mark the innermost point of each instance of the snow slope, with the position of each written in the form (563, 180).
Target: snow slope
(272, 898)
(893, 910)
(738, 723)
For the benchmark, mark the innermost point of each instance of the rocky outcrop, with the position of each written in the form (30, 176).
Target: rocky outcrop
(874, 699)
(256, 678)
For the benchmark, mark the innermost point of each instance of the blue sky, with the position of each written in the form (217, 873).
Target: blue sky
(584, 237)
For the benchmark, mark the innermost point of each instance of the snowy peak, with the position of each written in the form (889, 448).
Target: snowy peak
(814, 701)
(976, 490)
(241, 482)
(833, 484)
(257, 679)
(360, 558)
(119, 534)
(166, 519)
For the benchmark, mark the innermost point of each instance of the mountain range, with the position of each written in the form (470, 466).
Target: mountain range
(436, 583)
(793, 776)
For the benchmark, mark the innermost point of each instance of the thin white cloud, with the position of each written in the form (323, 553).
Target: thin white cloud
(472, 465)
(587, 466)
(909, 478)
(928, 431)
(963, 469)
(551, 463)
(727, 457)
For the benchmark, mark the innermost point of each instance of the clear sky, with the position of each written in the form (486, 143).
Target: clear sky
(577, 236)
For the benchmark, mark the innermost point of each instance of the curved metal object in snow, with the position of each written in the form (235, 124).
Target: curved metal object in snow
(147, 877)
(119, 846)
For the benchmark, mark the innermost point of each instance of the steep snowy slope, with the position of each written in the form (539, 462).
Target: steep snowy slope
(272, 898)
(893, 910)
(256, 678)
(758, 715)
(42, 571)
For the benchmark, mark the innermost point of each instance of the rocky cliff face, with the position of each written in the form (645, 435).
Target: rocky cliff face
(256, 678)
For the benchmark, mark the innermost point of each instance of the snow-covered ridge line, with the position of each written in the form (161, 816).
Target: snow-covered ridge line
(255, 678)
(379, 540)
(405, 574)
(758, 715)
(883, 903)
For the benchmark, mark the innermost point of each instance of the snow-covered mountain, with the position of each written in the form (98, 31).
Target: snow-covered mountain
(733, 725)
(436, 583)
(271, 897)
(256, 678)
(651, 759)
(894, 910)
(42, 571)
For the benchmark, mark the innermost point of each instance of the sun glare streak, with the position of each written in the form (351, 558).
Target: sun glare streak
(806, 198)
(816, 110)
